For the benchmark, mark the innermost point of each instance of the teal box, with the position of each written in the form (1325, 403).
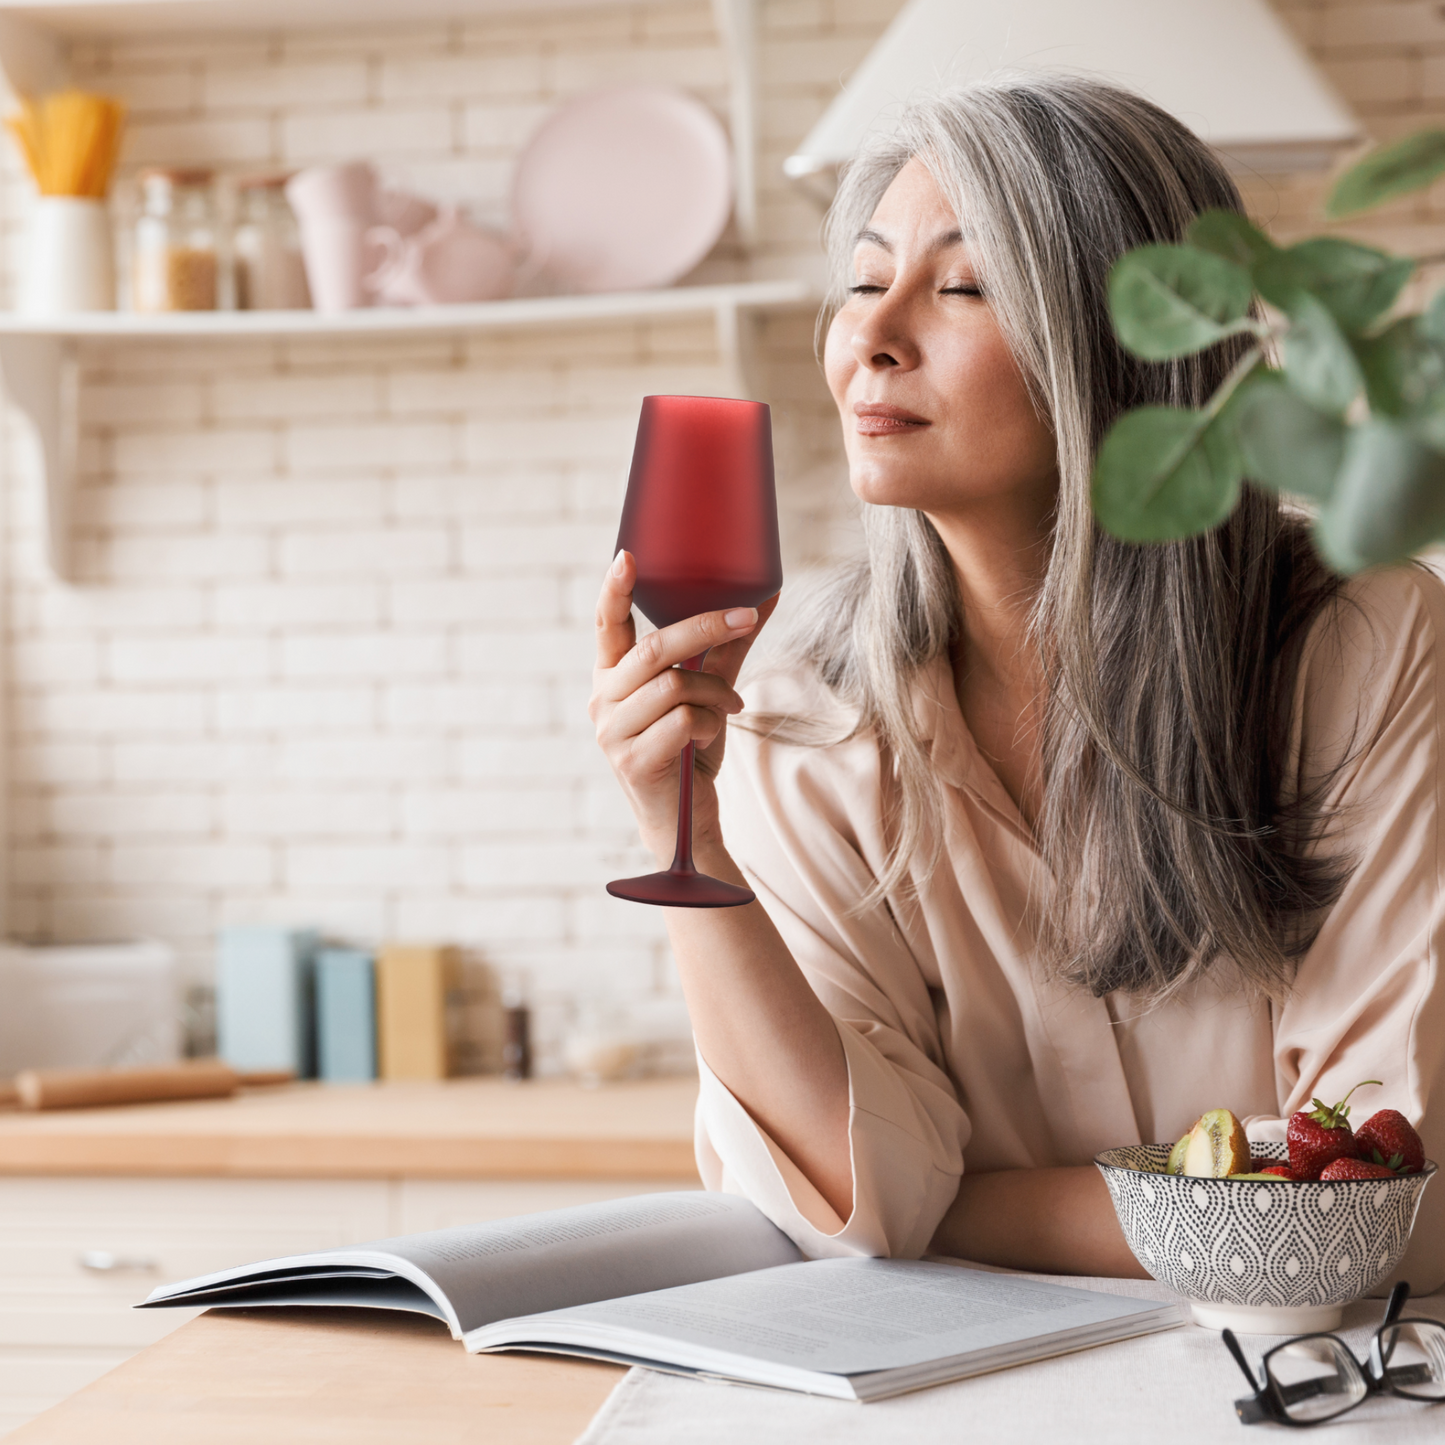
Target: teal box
(265, 999)
(345, 1015)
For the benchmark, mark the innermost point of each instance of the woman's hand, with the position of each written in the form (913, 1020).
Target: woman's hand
(646, 709)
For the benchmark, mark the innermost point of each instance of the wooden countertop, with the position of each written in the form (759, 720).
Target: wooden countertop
(457, 1129)
(366, 1377)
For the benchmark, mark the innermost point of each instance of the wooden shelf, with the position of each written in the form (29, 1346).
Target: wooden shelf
(39, 355)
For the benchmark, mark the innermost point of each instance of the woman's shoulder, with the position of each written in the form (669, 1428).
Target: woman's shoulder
(1382, 628)
(1372, 658)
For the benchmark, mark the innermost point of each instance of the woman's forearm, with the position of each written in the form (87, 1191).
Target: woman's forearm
(764, 1033)
(1053, 1221)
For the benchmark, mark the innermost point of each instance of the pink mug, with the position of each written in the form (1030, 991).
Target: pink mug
(335, 206)
(451, 260)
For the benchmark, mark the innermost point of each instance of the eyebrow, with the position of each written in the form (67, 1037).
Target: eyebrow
(943, 240)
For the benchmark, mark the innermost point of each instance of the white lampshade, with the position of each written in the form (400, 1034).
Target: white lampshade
(1227, 68)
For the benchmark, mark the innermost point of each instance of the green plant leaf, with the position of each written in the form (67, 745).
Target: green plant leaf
(1284, 442)
(1432, 322)
(1318, 361)
(1164, 473)
(1389, 499)
(1357, 283)
(1170, 301)
(1393, 170)
(1404, 371)
(1228, 234)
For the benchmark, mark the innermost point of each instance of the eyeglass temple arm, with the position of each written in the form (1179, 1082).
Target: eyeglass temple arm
(1398, 1296)
(1232, 1345)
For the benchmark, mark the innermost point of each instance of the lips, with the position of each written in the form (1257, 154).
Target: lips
(874, 419)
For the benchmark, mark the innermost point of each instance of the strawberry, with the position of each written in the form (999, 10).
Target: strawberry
(1320, 1135)
(1387, 1138)
(1355, 1169)
(1258, 1163)
(1280, 1171)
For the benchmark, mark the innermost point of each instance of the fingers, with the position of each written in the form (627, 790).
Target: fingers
(671, 689)
(616, 632)
(653, 753)
(668, 646)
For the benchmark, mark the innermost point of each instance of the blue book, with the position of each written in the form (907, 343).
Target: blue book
(264, 999)
(345, 1015)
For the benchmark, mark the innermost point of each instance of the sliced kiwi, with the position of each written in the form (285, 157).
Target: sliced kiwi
(1176, 1156)
(1217, 1146)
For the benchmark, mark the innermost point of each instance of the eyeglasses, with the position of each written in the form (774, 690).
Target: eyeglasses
(1314, 1378)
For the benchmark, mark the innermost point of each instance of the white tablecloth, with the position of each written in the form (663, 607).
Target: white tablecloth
(1175, 1388)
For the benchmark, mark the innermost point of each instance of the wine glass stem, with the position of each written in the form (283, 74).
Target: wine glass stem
(682, 856)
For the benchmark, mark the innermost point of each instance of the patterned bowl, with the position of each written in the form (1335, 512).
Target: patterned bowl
(1276, 1258)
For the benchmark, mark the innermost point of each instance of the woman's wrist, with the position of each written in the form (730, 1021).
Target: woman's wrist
(711, 856)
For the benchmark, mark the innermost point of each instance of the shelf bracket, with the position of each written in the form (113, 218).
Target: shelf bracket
(737, 22)
(42, 378)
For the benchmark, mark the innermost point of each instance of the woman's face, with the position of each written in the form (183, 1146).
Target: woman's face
(936, 415)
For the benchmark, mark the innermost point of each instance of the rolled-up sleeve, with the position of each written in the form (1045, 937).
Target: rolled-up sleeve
(787, 822)
(1368, 1000)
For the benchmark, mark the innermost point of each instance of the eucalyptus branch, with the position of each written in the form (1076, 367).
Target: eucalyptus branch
(1237, 373)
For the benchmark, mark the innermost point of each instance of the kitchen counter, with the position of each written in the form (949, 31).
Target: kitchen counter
(368, 1377)
(97, 1206)
(457, 1129)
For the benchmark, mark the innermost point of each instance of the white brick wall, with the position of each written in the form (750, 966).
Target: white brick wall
(327, 657)
(328, 652)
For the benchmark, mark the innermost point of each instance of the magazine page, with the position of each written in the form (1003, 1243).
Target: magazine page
(528, 1264)
(834, 1316)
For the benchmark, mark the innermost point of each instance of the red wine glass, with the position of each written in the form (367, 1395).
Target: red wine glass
(701, 522)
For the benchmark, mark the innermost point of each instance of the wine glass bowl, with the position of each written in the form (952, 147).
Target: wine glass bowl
(701, 523)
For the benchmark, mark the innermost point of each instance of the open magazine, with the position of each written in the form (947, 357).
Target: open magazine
(696, 1284)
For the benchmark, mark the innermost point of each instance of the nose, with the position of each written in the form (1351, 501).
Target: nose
(883, 338)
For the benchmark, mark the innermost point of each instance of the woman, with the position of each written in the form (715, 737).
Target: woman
(1058, 841)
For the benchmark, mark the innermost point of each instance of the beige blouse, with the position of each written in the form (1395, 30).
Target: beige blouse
(962, 1055)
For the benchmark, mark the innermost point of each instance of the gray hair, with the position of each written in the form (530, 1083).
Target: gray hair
(1166, 823)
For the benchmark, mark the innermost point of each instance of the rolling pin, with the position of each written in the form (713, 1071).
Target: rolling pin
(95, 1088)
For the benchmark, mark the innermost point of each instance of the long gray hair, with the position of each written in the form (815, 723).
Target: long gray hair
(1165, 821)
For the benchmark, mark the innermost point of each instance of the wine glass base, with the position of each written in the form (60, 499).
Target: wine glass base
(681, 890)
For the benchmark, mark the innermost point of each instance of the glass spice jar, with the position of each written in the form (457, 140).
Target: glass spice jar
(270, 273)
(175, 262)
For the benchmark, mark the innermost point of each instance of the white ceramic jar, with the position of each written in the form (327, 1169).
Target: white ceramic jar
(70, 265)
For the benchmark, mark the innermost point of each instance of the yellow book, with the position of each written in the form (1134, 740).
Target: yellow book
(412, 985)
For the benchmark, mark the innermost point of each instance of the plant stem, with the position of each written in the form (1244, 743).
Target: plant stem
(1231, 383)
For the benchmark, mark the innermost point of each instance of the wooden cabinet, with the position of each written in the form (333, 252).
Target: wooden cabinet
(77, 1249)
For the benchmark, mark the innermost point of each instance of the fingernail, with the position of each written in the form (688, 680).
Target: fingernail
(617, 563)
(741, 617)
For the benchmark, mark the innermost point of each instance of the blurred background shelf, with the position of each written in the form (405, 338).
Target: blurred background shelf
(92, 17)
(516, 313)
(38, 355)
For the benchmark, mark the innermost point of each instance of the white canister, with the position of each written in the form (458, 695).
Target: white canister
(70, 265)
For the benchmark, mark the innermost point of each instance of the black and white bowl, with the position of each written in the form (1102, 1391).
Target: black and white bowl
(1283, 1257)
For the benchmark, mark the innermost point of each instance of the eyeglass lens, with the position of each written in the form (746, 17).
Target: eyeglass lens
(1410, 1358)
(1315, 1378)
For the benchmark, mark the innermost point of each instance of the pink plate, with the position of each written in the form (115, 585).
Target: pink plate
(623, 189)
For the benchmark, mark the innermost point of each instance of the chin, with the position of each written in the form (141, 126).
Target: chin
(901, 492)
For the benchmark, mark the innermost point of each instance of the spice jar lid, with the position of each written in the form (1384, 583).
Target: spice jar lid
(178, 175)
